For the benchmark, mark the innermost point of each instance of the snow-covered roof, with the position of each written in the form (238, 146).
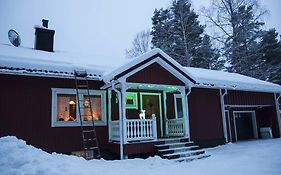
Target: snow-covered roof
(220, 79)
(144, 58)
(20, 60)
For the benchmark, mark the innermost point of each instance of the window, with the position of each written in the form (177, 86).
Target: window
(178, 106)
(65, 107)
(131, 100)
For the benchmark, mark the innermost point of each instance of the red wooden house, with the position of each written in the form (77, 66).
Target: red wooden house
(38, 103)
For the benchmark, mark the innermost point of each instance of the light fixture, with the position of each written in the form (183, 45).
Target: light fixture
(71, 102)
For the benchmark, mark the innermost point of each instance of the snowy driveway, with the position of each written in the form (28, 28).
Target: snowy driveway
(250, 157)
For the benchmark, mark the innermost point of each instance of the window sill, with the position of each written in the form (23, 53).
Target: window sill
(76, 124)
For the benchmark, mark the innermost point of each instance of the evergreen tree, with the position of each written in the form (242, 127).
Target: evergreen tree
(208, 57)
(270, 52)
(240, 26)
(177, 32)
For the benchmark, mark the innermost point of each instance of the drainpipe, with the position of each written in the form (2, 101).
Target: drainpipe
(187, 112)
(277, 104)
(120, 121)
(223, 113)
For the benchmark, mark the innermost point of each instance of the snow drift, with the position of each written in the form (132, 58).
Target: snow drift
(249, 157)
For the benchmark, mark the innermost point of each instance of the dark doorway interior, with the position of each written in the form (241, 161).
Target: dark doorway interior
(151, 105)
(244, 126)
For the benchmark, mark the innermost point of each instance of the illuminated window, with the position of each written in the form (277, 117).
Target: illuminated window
(96, 107)
(65, 107)
(131, 100)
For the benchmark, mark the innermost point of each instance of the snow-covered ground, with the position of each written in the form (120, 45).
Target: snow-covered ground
(249, 157)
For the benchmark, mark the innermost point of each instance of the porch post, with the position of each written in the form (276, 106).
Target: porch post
(165, 112)
(185, 112)
(277, 110)
(223, 114)
(124, 118)
(109, 95)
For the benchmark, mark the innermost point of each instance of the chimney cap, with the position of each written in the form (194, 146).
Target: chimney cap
(45, 23)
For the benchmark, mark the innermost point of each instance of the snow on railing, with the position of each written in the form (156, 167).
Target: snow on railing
(137, 130)
(175, 127)
(141, 129)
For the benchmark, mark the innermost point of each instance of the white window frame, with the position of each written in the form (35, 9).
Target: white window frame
(175, 104)
(56, 91)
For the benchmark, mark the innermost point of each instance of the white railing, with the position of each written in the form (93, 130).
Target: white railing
(114, 130)
(137, 130)
(175, 127)
(141, 129)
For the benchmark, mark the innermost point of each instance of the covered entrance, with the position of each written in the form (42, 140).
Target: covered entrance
(151, 106)
(245, 125)
(152, 112)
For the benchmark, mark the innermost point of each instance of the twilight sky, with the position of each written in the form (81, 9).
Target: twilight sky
(103, 29)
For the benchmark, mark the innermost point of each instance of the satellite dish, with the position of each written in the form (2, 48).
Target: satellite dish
(14, 37)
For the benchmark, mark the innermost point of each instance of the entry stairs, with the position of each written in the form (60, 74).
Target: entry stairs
(180, 150)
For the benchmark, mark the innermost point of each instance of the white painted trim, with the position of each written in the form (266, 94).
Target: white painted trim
(123, 105)
(185, 112)
(254, 122)
(55, 123)
(109, 96)
(223, 114)
(147, 86)
(165, 110)
(120, 123)
(175, 104)
(277, 110)
(164, 65)
(229, 126)
(160, 107)
(246, 106)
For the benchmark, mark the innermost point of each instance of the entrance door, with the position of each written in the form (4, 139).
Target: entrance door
(151, 103)
(245, 125)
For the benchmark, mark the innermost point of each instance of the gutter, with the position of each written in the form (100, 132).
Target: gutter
(120, 120)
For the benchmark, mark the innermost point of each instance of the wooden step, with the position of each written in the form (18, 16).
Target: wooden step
(174, 145)
(179, 149)
(183, 154)
(191, 158)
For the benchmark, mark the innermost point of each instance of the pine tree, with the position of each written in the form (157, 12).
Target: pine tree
(208, 57)
(270, 51)
(240, 26)
(177, 31)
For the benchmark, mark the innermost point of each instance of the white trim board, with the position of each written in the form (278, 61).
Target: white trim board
(55, 123)
(160, 108)
(254, 123)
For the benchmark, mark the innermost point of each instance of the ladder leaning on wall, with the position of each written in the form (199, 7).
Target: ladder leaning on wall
(89, 136)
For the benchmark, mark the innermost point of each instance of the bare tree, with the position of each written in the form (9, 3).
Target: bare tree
(238, 23)
(140, 44)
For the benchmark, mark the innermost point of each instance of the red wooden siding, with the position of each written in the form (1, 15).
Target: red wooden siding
(155, 74)
(205, 116)
(249, 98)
(25, 112)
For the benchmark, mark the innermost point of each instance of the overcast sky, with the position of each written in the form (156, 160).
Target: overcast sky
(100, 28)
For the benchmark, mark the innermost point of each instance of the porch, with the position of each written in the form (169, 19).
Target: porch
(138, 130)
(147, 112)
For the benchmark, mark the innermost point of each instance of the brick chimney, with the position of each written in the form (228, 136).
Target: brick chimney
(44, 37)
